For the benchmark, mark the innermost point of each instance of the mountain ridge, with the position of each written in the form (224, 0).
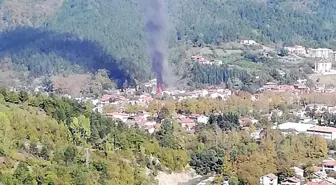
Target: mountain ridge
(118, 26)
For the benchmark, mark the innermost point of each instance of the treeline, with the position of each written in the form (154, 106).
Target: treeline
(239, 78)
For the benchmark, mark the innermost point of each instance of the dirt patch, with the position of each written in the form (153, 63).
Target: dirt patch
(175, 178)
(319, 79)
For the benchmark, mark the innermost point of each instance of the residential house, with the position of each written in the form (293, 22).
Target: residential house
(249, 42)
(145, 99)
(245, 122)
(329, 166)
(149, 128)
(318, 183)
(291, 181)
(108, 98)
(320, 53)
(277, 112)
(203, 119)
(298, 50)
(320, 88)
(187, 123)
(256, 134)
(143, 114)
(199, 118)
(332, 110)
(298, 171)
(293, 128)
(118, 116)
(269, 179)
(328, 133)
(323, 67)
(302, 81)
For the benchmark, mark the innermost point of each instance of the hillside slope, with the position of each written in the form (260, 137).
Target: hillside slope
(118, 26)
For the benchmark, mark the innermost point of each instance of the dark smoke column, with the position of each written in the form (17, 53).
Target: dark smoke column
(156, 27)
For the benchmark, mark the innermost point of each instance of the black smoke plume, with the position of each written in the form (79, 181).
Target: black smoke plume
(156, 27)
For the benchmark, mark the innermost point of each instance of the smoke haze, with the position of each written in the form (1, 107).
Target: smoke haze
(156, 28)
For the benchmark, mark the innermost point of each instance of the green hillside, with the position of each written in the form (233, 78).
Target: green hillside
(117, 30)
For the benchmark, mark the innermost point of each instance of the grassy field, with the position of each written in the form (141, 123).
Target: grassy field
(319, 79)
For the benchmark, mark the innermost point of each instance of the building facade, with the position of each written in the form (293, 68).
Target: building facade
(328, 133)
(323, 67)
(269, 179)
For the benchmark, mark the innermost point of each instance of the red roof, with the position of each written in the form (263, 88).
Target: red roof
(148, 127)
(107, 97)
(322, 129)
(244, 121)
(194, 116)
(187, 121)
(329, 163)
(317, 183)
(116, 114)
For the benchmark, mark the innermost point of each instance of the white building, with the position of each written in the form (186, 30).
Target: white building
(329, 166)
(298, 171)
(203, 119)
(269, 179)
(320, 53)
(298, 50)
(293, 128)
(323, 67)
(118, 116)
(325, 132)
(249, 42)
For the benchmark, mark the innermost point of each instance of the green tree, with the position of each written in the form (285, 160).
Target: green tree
(4, 128)
(12, 97)
(283, 52)
(207, 161)
(22, 173)
(70, 154)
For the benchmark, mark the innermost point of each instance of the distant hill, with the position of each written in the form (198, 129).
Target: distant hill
(116, 26)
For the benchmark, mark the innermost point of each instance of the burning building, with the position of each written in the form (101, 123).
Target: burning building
(156, 27)
(159, 89)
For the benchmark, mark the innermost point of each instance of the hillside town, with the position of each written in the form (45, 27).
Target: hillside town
(305, 122)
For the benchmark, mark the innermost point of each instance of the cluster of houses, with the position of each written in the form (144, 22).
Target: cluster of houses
(249, 42)
(319, 177)
(324, 53)
(146, 122)
(201, 60)
(130, 97)
(307, 125)
(298, 88)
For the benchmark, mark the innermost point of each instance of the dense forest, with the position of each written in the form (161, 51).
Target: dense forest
(76, 36)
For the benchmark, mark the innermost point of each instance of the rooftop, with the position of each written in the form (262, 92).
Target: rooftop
(329, 162)
(322, 129)
(295, 126)
(317, 183)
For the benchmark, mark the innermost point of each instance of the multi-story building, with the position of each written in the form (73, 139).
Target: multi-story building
(298, 50)
(329, 166)
(325, 132)
(323, 67)
(320, 53)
